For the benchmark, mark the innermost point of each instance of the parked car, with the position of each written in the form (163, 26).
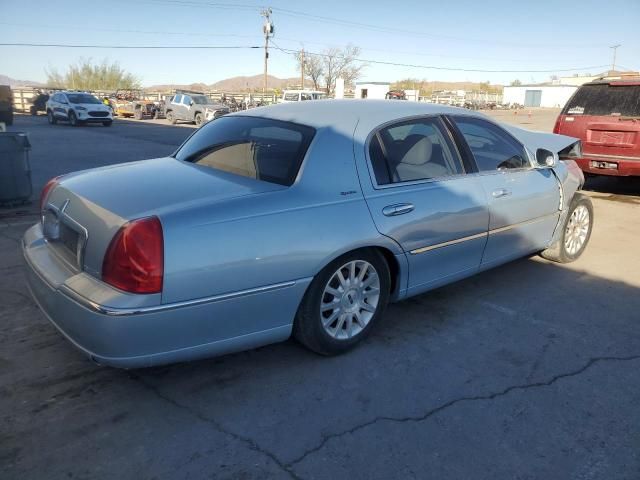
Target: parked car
(302, 95)
(6, 105)
(605, 115)
(39, 103)
(77, 108)
(133, 104)
(194, 108)
(306, 217)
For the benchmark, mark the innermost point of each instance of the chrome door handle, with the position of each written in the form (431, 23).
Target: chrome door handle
(501, 192)
(398, 209)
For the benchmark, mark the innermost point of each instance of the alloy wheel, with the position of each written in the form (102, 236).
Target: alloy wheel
(350, 299)
(577, 230)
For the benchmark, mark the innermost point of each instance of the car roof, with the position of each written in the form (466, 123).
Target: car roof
(347, 113)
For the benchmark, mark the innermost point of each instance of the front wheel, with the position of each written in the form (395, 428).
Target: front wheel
(73, 120)
(51, 118)
(576, 232)
(198, 119)
(343, 302)
(107, 123)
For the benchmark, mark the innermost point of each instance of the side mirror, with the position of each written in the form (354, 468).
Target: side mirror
(191, 103)
(546, 158)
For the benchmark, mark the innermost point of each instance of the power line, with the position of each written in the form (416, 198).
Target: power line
(145, 32)
(153, 47)
(451, 69)
(367, 26)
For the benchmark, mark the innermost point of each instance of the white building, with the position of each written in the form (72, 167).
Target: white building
(542, 95)
(375, 90)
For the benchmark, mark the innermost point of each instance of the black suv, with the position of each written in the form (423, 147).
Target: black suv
(194, 108)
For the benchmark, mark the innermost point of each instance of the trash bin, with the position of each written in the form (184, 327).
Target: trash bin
(15, 172)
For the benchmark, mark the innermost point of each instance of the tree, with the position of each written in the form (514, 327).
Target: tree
(339, 63)
(313, 68)
(516, 83)
(85, 75)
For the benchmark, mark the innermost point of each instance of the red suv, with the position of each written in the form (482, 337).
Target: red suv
(605, 115)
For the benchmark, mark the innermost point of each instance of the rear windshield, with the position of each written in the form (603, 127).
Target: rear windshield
(82, 98)
(260, 148)
(603, 99)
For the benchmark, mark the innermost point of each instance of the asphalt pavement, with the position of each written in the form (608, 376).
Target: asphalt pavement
(527, 371)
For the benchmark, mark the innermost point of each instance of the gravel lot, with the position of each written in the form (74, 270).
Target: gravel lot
(528, 371)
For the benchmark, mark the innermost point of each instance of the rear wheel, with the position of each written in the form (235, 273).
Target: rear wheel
(343, 303)
(51, 118)
(576, 232)
(171, 118)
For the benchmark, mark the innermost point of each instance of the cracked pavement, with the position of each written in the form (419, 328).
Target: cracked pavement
(528, 371)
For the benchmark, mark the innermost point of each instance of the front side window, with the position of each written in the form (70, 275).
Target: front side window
(260, 148)
(412, 150)
(186, 100)
(492, 147)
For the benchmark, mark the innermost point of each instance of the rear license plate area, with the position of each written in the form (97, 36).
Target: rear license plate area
(603, 165)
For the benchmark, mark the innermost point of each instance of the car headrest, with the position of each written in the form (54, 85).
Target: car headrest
(420, 153)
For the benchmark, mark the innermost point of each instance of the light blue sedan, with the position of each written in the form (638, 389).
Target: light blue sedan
(304, 218)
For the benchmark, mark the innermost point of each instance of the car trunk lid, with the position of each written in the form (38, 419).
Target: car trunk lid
(606, 117)
(85, 210)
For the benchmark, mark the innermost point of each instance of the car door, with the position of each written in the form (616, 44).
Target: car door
(60, 106)
(524, 201)
(177, 107)
(186, 108)
(420, 195)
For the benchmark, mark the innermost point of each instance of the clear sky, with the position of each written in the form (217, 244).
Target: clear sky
(470, 34)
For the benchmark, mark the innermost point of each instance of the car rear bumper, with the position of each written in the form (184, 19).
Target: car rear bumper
(610, 165)
(148, 336)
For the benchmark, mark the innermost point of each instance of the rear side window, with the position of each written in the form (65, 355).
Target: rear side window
(291, 97)
(603, 99)
(412, 150)
(492, 147)
(177, 99)
(260, 148)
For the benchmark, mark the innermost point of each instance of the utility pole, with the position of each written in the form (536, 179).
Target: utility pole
(615, 49)
(267, 29)
(302, 69)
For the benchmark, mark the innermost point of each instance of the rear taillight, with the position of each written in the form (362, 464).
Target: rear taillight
(134, 261)
(556, 127)
(47, 189)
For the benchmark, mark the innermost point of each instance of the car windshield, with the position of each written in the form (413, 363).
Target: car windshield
(82, 98)
(603, 99)
(260, 148)
(201, 100)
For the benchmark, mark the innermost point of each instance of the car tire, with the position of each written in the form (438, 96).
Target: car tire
(576, 232)
(73, 120)
(137, 114)
(343, 303)
(198, 119)
(51, 118)
(171, 118)
(107, 123)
